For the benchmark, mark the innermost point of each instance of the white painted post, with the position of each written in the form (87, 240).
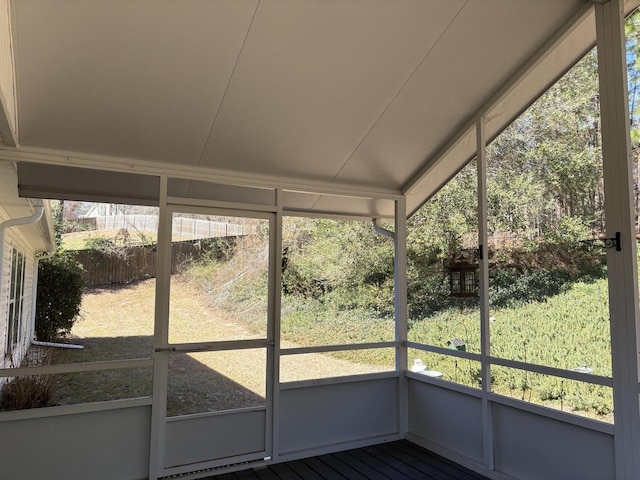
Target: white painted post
(485, 338)
(619, 214)
(275, 301)
(161, 337)
(400, 304)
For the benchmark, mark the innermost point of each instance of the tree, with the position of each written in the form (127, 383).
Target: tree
(60, 285)
(547, 165)
(632, 30)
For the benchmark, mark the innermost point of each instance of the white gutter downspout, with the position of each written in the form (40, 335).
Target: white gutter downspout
(377, 227)
(15, 222)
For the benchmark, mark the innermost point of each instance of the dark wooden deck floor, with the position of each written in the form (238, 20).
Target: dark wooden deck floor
(390, 461)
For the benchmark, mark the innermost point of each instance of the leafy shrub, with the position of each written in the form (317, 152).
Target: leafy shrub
(569, 229)
(295, 282)
(516, 285)
(322, 257)
(59, 296)
(219, 249)
(101, 244)
(510, 287)
(428, 292)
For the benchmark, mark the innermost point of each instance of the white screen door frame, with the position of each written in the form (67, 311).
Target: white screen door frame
(207, 440)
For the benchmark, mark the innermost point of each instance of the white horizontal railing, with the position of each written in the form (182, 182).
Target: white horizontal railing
(529, 367)
(75, 367)
(338, 348)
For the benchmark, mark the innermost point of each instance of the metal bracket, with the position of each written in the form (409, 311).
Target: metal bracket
(613, 242)
(165, 349)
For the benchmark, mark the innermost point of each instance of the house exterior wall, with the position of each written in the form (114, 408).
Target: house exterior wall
(14, 240)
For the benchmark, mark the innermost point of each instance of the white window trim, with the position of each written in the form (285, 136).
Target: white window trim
(15, 302)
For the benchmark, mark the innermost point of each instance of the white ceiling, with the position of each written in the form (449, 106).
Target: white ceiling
(355, 95)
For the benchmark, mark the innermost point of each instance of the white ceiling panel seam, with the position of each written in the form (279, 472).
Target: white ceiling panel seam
(224, 95)
(399, 91)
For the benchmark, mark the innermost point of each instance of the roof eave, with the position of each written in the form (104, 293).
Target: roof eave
(552, 61)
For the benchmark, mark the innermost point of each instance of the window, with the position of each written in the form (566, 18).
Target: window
(16, 300)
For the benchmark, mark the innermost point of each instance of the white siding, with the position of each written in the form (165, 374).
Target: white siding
(13, 240)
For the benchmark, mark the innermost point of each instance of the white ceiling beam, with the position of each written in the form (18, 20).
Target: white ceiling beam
(117, 164)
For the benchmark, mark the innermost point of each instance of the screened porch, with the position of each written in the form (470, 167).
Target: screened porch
(258, 113)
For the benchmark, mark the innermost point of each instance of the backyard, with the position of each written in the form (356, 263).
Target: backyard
(337, 289)
(117, 324)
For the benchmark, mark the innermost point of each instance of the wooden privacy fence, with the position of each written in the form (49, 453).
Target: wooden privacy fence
(128, 264)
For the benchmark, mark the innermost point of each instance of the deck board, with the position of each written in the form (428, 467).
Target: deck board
(322, 469)
(266, 473)
(285, 471)
(340, 466)
(246, 475)
(410, 469)
(303, 470)
(425, 465)
(438, 467)
(385, 469)
(400, 460)
(370, 472)
(458, 471)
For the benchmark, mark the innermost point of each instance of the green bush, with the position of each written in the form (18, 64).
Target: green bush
(428, 291)
(510, 287)
(59, 296)
(100, 244)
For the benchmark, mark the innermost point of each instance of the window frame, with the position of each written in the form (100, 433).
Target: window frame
(15, 301)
